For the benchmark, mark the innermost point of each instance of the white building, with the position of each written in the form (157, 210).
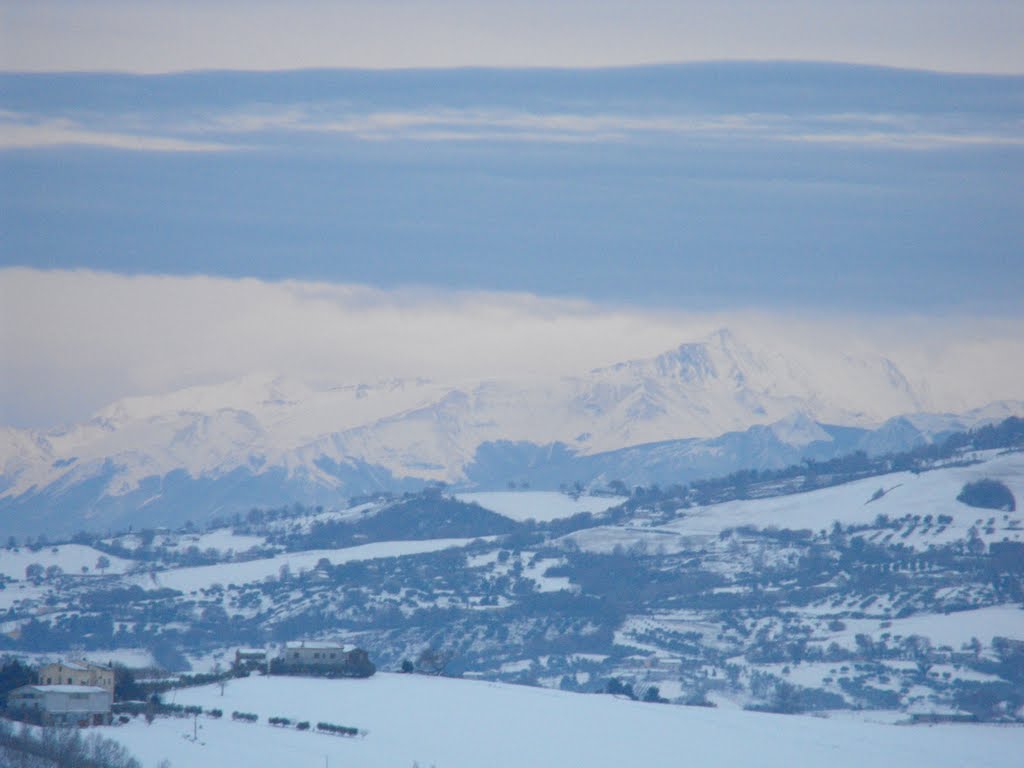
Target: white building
(316, 653)
(61, 704)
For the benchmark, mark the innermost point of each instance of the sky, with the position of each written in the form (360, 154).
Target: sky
(500, 218)
(177, 35)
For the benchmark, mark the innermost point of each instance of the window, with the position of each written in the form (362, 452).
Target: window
(69, 681)
(49, 680)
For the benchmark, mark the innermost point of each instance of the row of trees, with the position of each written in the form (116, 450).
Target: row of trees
(36, 572)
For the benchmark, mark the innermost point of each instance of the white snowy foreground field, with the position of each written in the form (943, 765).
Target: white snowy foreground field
(468, 724)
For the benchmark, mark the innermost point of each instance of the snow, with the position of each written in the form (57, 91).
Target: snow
(726, 381)
(536, 572)
(467, 724)
(68, 688)
(542, 506)
(306, 523)
(605, 539)
(950, 629)
(222, 539)
(70, 557)
(205, 576)
(22, 593)
(928, 493)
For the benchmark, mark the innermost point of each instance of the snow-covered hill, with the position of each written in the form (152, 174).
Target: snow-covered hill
(264, 439)
(416, 720)
(928, 495)
(885, 593)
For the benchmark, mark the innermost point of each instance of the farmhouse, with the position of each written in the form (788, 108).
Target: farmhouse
(61, 704)
(327, 658)
(316, 653)
(77, 673)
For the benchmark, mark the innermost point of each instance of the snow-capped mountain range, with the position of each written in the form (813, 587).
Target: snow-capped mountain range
(267, 439)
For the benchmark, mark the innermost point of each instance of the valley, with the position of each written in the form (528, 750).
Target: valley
(883, 593)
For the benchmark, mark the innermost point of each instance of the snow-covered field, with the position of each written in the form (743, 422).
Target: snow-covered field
(929, 493)
(204, 576)
(222, 539)
(542, 506)
(952, 629)
(468, 724)
(69, 557)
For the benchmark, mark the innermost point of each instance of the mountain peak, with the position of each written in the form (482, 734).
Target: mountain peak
(799, 429)
(413, 430)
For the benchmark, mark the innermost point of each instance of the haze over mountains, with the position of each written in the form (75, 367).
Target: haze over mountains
(706, 407)
(275, 221)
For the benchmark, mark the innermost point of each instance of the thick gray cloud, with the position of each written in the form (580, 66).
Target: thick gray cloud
(73, 341)
(174, 35)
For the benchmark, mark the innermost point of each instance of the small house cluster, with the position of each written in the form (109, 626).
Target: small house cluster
(68, 693)
(79, 693)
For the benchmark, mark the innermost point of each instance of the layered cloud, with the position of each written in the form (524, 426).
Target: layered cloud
(73, 341)
(26, 132)
(253, 129)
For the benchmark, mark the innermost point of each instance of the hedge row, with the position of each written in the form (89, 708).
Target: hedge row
(176, 710)
(340, 730)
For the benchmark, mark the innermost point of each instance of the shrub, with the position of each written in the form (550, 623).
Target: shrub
(988, 494)
(215, 713)
(617, 688)
(248, 717)
(339, 730)
(303, 726)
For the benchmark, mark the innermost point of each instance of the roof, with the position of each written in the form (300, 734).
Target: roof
(252, 651)
(317, 645)
(76, 665)
(61, 689)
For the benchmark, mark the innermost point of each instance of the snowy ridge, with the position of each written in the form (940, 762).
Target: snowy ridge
(355, 438)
